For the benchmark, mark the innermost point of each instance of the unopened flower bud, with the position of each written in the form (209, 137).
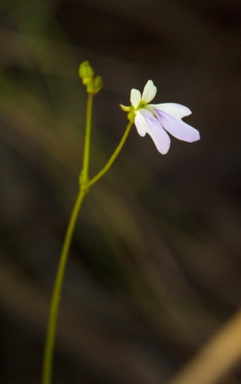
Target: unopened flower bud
(86, 72)
(98, 83)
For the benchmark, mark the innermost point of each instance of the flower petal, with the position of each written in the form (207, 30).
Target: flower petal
(158, 134)
(178, 128)
(149, 91)
(141, 124)
(135, 97)
(176, 110)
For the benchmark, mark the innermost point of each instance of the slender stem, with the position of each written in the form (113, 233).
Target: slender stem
(112, 158)
(86, 157)
(56, 295)
(85, 184)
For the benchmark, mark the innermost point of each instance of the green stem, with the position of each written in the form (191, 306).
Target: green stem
(112, 158)
(86, 158)
(56, 295)
(85, 184)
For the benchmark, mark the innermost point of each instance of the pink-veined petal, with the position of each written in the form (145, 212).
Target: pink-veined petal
(135, 97)
(176, 110)
(178, 128)
(149, 91)
(141, 124)
(158, 134)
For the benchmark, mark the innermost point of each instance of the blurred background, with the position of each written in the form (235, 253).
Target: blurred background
(155, 264)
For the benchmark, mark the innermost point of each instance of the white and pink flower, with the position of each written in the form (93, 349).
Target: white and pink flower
(158, 119)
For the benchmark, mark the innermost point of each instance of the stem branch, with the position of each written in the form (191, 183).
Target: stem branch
(112, 158)
(85, 184)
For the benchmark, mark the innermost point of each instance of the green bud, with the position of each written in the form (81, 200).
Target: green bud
(98, 83)
(86, 72)
(90, 87)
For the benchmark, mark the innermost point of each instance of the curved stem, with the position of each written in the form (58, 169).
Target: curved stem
(112, 158)
(85, 184)
(56, 295)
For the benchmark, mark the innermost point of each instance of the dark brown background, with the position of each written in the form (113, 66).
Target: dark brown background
(155, 264)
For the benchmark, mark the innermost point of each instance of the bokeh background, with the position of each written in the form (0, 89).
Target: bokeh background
(155, 265)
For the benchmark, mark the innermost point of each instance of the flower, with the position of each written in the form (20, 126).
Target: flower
(158, 119)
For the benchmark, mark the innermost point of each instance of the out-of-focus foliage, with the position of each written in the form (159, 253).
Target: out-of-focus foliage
(155, 264)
